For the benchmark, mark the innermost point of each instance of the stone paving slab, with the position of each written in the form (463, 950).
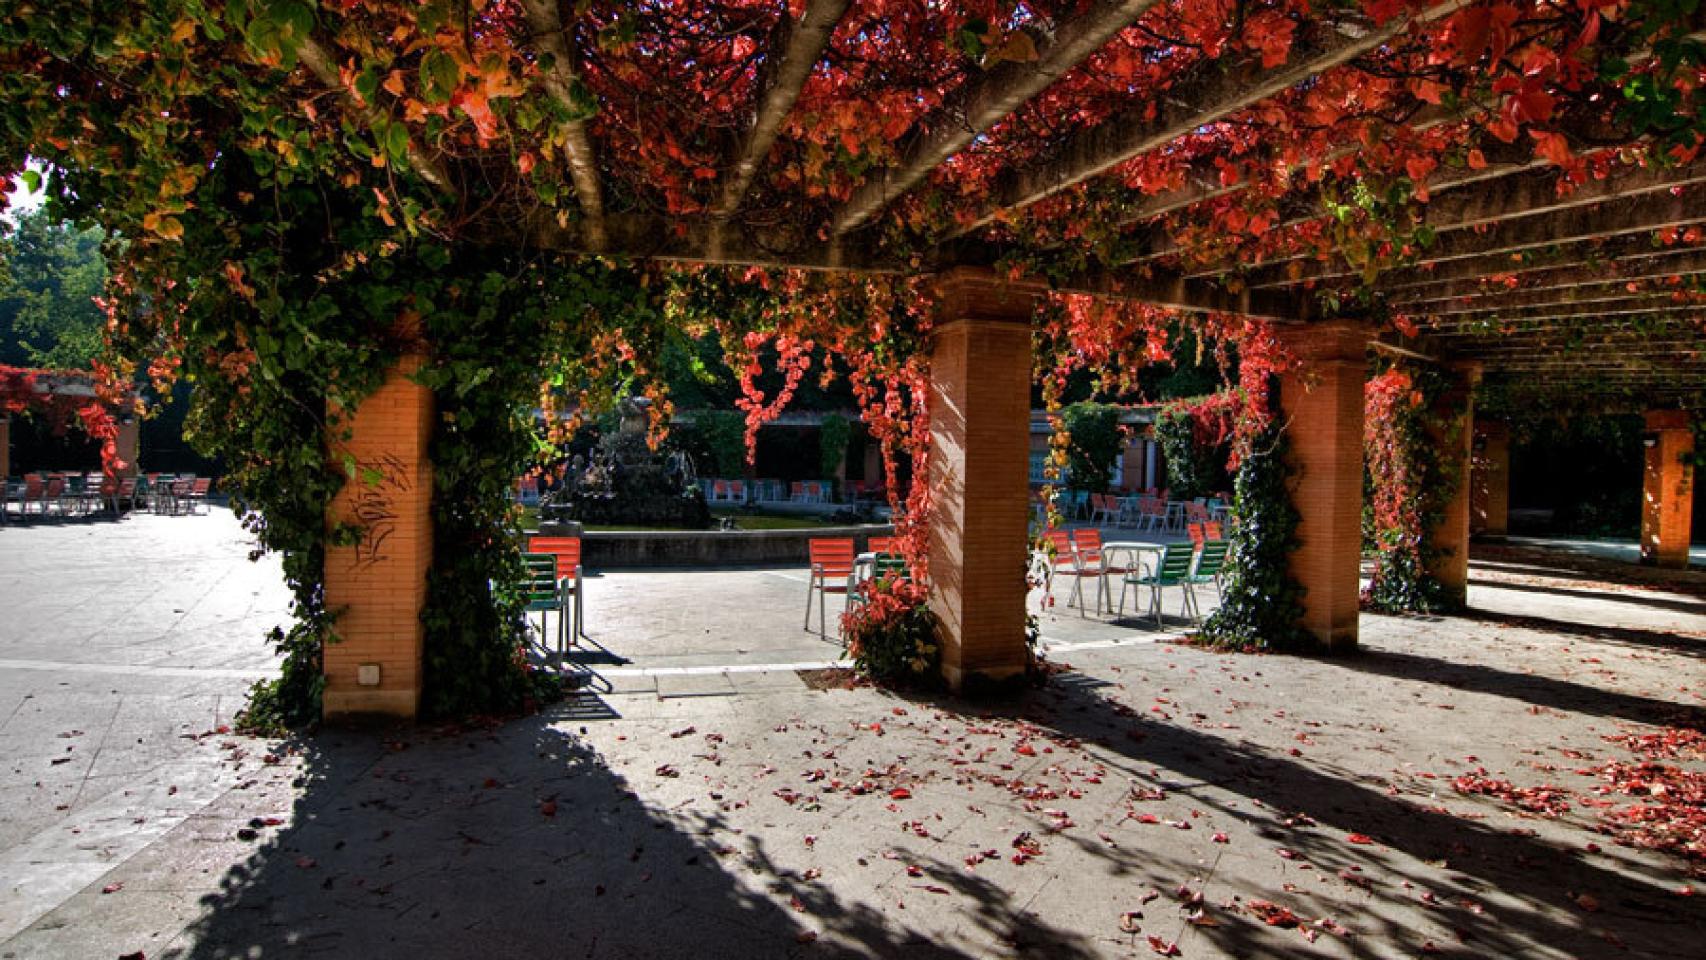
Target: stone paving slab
(757, 818)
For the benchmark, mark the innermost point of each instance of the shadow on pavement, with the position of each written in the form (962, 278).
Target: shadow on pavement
(441, 846)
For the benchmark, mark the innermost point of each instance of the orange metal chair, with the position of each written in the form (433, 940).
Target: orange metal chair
(832, 572)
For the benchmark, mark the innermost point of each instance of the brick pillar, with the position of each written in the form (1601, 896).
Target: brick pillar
(1490, 485)
(1322, 403)
(980, 420)
(379, 586)
(129, 444)
(1453, 440)
(1668, 491)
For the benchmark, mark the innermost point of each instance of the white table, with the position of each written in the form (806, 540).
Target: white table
(1137, 549)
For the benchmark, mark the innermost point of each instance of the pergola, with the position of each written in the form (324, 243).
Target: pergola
(1585, 288)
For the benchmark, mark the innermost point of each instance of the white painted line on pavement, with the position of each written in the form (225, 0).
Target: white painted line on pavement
(136, 669)
(57, 863)
(723, 668)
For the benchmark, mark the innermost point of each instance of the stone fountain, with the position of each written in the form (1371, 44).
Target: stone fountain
(626, 482)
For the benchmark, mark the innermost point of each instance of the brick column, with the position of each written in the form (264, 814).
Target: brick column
(1490, 483)
(1453, 440)
(129, 443)
(1668, 491)
(1322, 403)
(980, 420)
(379, 586)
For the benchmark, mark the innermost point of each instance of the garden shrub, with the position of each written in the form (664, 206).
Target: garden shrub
(891, 636)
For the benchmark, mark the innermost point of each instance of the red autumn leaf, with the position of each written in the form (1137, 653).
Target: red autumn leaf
(1477, 160)
(548, 808)
(1361, 838)
(900, 793)
(1163, 947)
(113, 887)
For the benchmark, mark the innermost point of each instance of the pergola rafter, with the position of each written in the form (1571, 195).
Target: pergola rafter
(806, 40)
(319, 62)
(545, 21)
(1680, 262)
(1215, 90)
(1529, 214)
(1506, 160)
(1546, 299)
(993, 98)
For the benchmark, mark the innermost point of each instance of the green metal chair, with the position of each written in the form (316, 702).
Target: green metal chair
(1173, 570)
(1211, 563)
(541, 591)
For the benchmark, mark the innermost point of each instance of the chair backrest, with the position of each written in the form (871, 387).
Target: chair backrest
(1211, 530)
(55, 486)
(814, 490)
(881, 544)
(32, 485)
(737, 488)
(1154, 506)
(1176, 560)
(719, 488)
(1212, 557)
(541, 584)
(1196, 532)
(797, 490)
(127, 486)
(833, 556)
(1087, 540)
(1061, 541)
(566, 550)
(201, 486)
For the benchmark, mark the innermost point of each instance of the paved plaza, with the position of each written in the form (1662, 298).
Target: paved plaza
(703, 801)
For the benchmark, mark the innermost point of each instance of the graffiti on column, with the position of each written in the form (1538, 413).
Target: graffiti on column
(373, 506)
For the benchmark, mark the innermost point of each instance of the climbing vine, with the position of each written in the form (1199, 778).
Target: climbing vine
(31, 393)
(1407, 484)
(1260, 602)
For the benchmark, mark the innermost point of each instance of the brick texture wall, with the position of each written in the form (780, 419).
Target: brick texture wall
(1489, 492)
(380, 584)
(1323, 406)
(980, 409)
(1667, 501)
(1453, 444)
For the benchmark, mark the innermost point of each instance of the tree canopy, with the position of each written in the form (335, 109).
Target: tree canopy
(51, 274)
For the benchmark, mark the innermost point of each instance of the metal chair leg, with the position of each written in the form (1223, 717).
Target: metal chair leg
(811, 581)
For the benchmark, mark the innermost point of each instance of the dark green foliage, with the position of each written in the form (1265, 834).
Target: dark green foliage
(1261, 603)
(49, 274)
(1191, 470)
(724, 431)
(1094, 429)
(891, 637)
(833, 436)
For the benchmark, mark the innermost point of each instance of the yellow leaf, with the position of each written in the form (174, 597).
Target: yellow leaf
(183, 30)
(1019, 48)
(169, 228)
